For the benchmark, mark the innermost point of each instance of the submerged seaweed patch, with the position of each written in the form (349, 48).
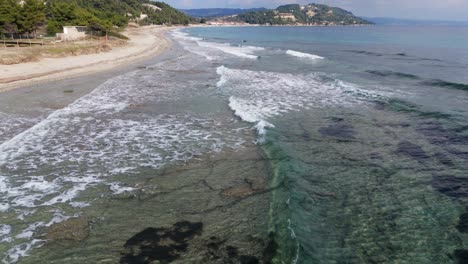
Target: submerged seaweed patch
(451, 186)
(437, 134)
(393, 74)
(409, 149)
(365, 52)
(160, 244)
(458, 153)
(398, 105)
(248, 260)
(216, 251)
(338, 130)
(463, 223)
(445, 84)
(461, 256)
(443, 159)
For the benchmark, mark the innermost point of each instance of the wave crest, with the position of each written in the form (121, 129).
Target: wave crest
(304, 55)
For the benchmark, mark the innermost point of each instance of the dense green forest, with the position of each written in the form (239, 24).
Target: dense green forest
(99, 15)
(306, 14)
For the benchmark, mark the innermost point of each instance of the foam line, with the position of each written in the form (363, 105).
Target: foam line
(304, 55)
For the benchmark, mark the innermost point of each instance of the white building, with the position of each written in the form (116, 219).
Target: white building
(71, 33)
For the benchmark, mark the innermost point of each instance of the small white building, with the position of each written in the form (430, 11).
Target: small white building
(153, 7)
(71, 33)
(286, 16)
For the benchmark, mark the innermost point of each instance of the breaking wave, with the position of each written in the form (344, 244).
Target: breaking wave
(304, 55)
(259, 96)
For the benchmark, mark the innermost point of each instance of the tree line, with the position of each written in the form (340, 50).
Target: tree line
(27, 17)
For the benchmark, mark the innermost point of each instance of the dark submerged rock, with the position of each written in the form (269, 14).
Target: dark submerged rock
(409, 149)
(445, 84)
(443, 159)
(338, 130)
(461, 256)
(270, 250)
(232, 252)
(438, 135)
(463, 223)
(248, 260)
(160, 244)
(393, 74)
(456, 187)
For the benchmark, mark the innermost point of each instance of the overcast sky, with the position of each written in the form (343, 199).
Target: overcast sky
(418, 9)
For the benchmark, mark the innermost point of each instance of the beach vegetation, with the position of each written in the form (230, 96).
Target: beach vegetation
(31, 16)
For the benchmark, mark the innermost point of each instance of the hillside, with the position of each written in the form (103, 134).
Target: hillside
(29, 16)
(120, 12)
(218, 12)
(311, 14)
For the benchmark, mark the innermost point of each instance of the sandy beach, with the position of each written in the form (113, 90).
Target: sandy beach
(144, 42)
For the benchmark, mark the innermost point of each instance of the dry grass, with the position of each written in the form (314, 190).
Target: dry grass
(15, 55)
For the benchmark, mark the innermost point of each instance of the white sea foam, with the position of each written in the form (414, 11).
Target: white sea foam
(21, 250)
(5, 230)
(252, 113)
(117, 188)
(239, 51)
(258, 96)
(95, 140)
(185, 36)
(209, 49)
(12, 124)
(304, 55)
(191, 44)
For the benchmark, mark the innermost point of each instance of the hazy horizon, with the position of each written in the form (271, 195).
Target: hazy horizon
(454, 10)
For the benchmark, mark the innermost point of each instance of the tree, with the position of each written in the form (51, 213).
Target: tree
(8, 16)
(32, 16)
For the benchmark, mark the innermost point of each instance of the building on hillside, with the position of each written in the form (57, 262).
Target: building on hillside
(22, 2)
(153, 7)
(71, 33)
(311, 13)
(286, 16)
(141, 17)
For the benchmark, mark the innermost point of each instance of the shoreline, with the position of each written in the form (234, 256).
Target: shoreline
(145, 42)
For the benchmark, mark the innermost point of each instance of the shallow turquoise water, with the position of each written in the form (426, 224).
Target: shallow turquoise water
(250, 145)
(368, 140)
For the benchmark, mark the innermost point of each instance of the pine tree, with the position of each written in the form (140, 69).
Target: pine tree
(32, 16)
(8, 16)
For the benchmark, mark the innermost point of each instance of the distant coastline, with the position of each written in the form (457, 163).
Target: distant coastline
(389, 21)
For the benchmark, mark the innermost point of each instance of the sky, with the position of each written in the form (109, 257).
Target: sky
(416, 9)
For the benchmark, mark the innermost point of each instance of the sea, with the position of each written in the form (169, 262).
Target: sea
(250, 145)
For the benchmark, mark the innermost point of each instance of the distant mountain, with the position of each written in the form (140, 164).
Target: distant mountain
(414, 22)
(218, 12)
(294, 14)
